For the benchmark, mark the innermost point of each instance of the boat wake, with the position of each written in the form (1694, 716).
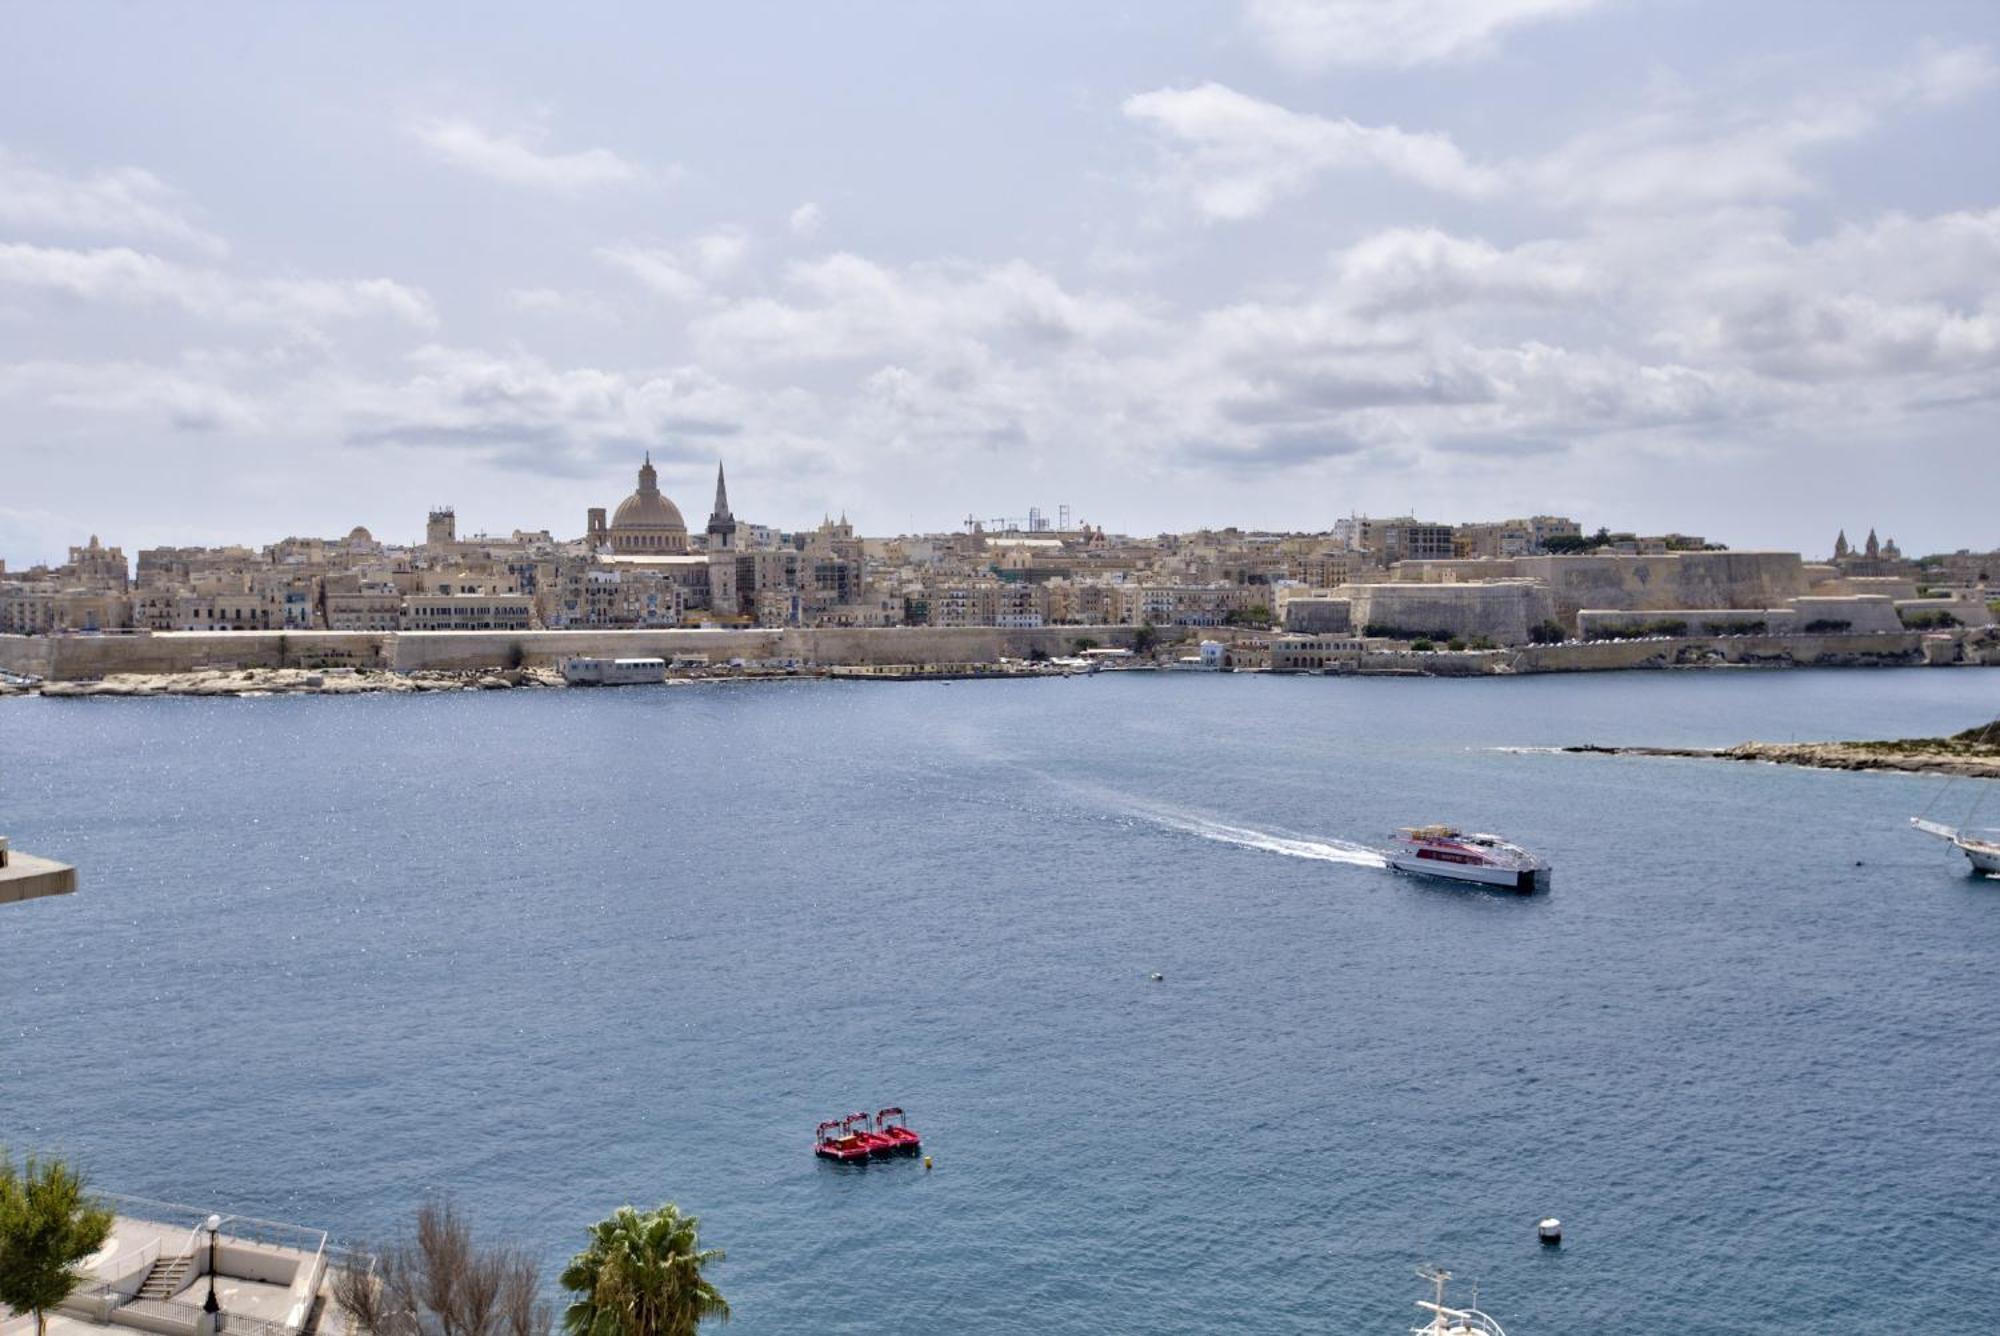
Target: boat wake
(1291, 846)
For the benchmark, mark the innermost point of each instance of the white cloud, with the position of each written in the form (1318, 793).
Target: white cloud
(119, 201)
(806, 220)
(1234, 155)
(521, 161)
(186, 398)
(1316, 34)
(659, 270)
(719, 253)
(119, 275)
(1402, 269)
(846, 307)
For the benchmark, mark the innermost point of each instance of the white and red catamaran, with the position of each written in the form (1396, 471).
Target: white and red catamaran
(1485, 860)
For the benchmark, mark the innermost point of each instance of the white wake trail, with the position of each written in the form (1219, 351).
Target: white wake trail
(1291, 846)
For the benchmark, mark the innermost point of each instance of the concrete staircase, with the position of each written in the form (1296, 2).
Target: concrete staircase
(166, 1278)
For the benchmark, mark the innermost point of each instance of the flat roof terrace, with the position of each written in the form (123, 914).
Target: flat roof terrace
(152, 1275)
(26, 877)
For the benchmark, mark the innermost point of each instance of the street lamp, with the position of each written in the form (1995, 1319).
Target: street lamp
(210, 1306)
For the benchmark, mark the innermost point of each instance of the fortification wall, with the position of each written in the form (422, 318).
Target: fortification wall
(71, 658)
(1500, 612)
(25, 654)
(1672, 580)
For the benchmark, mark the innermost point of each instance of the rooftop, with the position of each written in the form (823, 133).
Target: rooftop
(152, 1275)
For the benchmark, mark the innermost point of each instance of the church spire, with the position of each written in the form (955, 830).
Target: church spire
(721, 524)
(721, 511)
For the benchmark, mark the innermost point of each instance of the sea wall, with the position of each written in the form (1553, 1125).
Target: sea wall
(1772, 651)
(73, 658)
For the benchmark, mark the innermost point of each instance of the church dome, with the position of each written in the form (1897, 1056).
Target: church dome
(647, 521)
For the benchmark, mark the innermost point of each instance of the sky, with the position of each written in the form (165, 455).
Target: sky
(1661, 265)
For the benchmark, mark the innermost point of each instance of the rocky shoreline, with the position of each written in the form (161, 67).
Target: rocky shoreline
(1938, 756)
(295, 682)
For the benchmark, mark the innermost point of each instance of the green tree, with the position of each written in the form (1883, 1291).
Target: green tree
(47, 1226)
(1145, 638)
(642, 1276)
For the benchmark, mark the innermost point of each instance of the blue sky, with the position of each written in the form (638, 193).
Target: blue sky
(1659, 264)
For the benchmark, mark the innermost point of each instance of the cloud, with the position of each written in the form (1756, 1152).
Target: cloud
(806, 220)
(1696, 150)
(1234, 155)
(1316, 34)
(1402, 269)
(658, 270)
(184, 398)
(119, 201)
(122, 276)
(520, 161)
(523, 412)
(845, 307)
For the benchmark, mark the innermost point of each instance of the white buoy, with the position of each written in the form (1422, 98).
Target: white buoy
(1550, 1230)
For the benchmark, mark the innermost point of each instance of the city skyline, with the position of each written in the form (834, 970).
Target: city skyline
(1257, 264)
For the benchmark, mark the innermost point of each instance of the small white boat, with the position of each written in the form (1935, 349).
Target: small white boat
(1982, 847)
(1484, 860)
(1451, 1321)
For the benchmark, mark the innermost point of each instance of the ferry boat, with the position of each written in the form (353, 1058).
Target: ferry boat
(587, 672)
(1451, 1321)
(1982, 847)
(1485, 860)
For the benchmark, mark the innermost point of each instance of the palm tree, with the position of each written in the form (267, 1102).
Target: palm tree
(47, 1226)
(641, 1276)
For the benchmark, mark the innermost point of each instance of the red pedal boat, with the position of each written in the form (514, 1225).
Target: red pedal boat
(890, 1123)
(862, 1126)
(832, 1140)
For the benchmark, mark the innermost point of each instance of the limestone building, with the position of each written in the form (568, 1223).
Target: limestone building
(646, 522)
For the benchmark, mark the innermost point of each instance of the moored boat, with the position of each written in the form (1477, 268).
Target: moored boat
(835, 1140)
(1982, 848)
(1451, 1321)
(1484, 860)
(890, 1123)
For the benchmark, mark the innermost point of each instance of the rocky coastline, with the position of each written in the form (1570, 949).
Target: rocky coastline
(1974, 753)
(294, 682)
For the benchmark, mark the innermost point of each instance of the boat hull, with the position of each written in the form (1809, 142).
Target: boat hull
(1525, 880)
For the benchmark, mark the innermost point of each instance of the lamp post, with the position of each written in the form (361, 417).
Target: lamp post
(209, 1305)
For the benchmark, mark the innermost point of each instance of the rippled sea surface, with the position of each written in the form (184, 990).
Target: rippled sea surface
(553, 952)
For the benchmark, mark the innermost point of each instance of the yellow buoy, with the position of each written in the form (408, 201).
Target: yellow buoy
(927, 1162)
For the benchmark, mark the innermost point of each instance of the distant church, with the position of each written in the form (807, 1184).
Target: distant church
(1874, 557)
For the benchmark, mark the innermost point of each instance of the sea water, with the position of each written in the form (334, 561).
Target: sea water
(554, 952)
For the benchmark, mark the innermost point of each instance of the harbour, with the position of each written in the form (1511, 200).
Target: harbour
(1406, 1070)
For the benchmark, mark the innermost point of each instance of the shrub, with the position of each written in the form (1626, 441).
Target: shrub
(1083, 643)
(1823, 625)
(1663, 626)
(1454, 644)
(1547, 633)
(1422, 646)
(1929, 620)
(1481, 642)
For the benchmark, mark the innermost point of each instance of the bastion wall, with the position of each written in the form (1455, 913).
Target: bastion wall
(71, 658)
